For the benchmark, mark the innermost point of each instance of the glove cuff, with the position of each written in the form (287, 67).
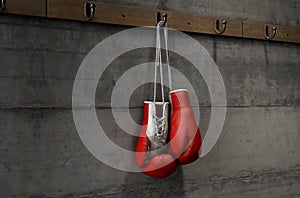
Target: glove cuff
(180, 98)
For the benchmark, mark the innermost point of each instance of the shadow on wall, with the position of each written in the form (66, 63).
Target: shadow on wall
(172, 186)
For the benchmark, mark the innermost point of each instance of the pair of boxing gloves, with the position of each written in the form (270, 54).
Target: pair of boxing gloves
(160, 148)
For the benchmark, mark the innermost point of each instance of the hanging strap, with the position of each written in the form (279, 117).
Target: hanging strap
(167, 55)
(158, 63)
(158, 60)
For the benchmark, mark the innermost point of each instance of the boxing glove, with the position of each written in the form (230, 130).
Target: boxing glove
(185, 137)
(152, 154)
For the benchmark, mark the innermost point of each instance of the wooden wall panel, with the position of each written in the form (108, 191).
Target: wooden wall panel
(203, 24)
(66, 9)
(138, 16)
(26, 7)
(283, 33)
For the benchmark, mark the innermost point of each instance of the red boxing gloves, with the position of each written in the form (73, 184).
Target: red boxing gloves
(151, 155)
(184, 134)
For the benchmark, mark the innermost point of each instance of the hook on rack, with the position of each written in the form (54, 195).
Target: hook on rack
(266, 32)
(158, 18)
(217, 23)
(89, 11)
(2, 5)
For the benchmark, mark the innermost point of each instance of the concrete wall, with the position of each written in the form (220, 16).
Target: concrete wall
(42, 155)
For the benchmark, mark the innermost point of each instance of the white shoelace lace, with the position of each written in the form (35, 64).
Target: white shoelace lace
(159, 126)
(159, 122)
(158, 60)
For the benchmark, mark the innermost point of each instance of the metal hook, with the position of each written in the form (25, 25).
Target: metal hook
(89, 11)
(158, 18)
(217, 26)
(266, 33)
(165, 17)
(2, 5)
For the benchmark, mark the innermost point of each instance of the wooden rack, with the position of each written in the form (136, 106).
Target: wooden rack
(91, 11)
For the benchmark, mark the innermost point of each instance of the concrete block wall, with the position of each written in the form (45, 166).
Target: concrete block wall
(42, 155)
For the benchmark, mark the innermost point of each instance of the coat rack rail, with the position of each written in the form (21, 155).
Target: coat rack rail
(137, 16)
(97, 12)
